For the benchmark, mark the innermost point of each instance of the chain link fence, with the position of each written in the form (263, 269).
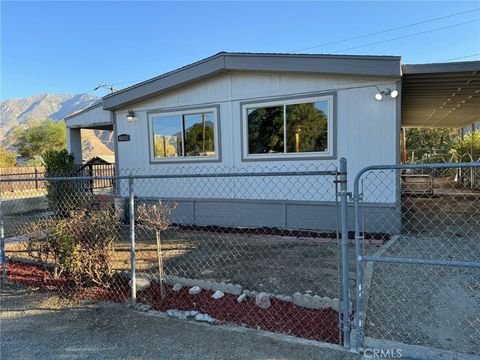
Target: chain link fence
(247, 246)
(420, 285)
(64, 236)
(267, 248)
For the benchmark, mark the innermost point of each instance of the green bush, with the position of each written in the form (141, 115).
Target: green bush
(7, 158)
(63, 195)
(52, 243)
(468, 148)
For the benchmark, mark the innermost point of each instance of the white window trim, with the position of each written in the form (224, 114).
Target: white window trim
(184, 158)
(300, 100)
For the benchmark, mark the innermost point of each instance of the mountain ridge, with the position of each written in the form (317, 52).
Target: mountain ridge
(17, 112)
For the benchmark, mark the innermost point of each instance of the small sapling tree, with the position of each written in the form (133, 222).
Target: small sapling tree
(157, 217)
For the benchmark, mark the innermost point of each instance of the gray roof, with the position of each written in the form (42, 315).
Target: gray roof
(345, 65)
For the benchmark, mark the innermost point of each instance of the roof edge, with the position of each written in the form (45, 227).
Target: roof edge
(343, 65)
(432, 68)
(91, 107)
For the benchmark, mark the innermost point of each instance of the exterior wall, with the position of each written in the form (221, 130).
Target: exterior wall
(366, 134)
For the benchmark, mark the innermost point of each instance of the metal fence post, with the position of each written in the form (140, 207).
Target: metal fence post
(345, 258)
(3, 257)
(131, 206)
(358, 268)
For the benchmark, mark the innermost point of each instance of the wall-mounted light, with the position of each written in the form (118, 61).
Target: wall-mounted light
(131, 116)
(379, 95)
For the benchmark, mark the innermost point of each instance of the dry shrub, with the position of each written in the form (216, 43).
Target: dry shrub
(81, 247)
(155, 216)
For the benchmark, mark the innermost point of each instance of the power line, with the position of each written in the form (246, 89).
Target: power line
(461, 57)
(128, 82)
(407, 36)
(386, 30)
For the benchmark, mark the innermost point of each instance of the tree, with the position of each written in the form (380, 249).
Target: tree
(40, 137)
(306, 128)
(427, 141)
(7, 158)
(199, 139)
(36, 161)
(468, 148)
(265, 130)
(158, 218)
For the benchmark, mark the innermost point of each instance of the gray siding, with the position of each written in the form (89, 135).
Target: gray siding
(320, 216)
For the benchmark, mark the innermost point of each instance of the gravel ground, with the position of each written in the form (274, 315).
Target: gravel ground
(37, 325)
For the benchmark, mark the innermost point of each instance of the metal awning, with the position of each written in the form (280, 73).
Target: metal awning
(92, 117)
(441, 95)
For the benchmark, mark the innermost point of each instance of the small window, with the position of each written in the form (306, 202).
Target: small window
(184, 135)
(288, 129)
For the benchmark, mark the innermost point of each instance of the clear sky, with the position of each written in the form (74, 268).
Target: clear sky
(70, 47)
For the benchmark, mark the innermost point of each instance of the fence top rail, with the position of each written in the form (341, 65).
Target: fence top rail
(177, 176)
(23, 173)
(410, 166)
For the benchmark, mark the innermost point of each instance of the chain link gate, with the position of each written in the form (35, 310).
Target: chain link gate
(417, 239)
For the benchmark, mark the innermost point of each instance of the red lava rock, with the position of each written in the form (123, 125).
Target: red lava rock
(280, 317)
(283, 317)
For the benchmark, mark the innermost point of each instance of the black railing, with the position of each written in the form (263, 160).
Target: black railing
(98, 170)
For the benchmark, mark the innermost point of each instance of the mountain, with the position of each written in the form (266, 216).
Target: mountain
(16, 112)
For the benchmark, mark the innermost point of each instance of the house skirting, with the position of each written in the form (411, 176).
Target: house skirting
(320, 216)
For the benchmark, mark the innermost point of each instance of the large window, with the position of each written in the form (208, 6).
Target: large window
(179, 135)
(289, 128)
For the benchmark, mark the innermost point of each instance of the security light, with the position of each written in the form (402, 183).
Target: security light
(379, 95)
(131, 116)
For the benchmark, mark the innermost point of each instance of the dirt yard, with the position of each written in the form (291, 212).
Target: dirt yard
(271, 263)
(39, 325)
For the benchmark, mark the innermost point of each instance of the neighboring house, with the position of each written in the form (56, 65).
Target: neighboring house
(101, 160)
(253, 112)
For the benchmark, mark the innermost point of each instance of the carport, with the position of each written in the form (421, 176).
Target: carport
(441, 95)
(93, 117)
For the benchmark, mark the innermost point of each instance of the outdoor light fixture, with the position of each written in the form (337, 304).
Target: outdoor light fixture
(379, 96)
(131, 116)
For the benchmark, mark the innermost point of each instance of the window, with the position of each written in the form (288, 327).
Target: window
(288, 129)
(179, 135)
